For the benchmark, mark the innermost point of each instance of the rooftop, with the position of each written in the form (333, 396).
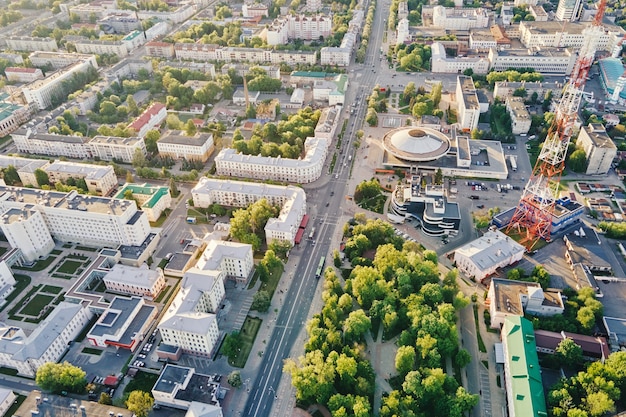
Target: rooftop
(600, 139)
(178, 138)
(490, 249)
(123, 319)
(416, 143)
(141, 275)
(90, 172)
(508, 295)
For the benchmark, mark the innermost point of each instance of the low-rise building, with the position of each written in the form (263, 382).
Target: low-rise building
(553, 61)
(483, 256)
(29, 140)
(181, 387)
(539, 13)
(332, 91)
(98, 47)
(583, 246)
(124, 324)
(509, 298)
(120, 22)
(595, 348)
(503, 89)
(109, 148)
(140, 282)
(152, 199)
(59, 60)
(211, 52)
(149, 119)
(160, 49)
(23, 75)
(30, 43)
(100, 179)
(12, 115)
(441, 63)
(599, 148)
(241, 99)
(461, 18)
(520, 118)
(192, 148)
(25, 167)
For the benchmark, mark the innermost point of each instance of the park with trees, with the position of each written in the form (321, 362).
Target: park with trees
(393, 291)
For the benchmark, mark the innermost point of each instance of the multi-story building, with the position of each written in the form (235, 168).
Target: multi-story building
(539, 13)
(152, 199)
(98, 47)
(206, 52)
(522, 372)
(128, 68)
(440, 63)
(503, 89)
(59, 60)
(129, 280)
(552, 34)
(302, 27)
(41, 92)
(482, 40)
(335, 55)
(553, 61)
(243, 69)
(149, 119)
(332, 91)
(327, 124)
(403, 10)
(160, 49)
(599, 148)
(568, 10)
(26, 230)
(462, 18)
(100, 179)
(519, 3)
(25, 167)
(205, 67)
(134, 40)
(254, 10)
(403, 33)
(467, 102)
(73, 217)
(122, 22)
(292, 201)
(192, 148)
(520, 118)
(28, 140)
(233, 258)
(109, 148)
(178, 15)
(123, 324)
(7, 399)
(30, 43)
(12, 116)
(87, 12)
(302, 171)
(183, 388)
(23, 75)
(47, 343)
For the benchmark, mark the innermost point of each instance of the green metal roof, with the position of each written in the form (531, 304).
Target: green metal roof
(523, 363)
(341, 81)
(155, 191)
(312, 74)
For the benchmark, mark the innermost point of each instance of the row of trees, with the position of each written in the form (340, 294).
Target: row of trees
(413, 57)
(248, 224)
(367, 30)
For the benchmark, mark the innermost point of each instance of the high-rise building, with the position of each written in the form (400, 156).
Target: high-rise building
(569, 10)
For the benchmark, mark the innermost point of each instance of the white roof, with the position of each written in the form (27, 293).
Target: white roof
(198, 409)
(90, 172)
(217, 250)
(142, 275)
(490, 248)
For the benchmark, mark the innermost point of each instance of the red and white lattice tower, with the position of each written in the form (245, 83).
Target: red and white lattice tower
(533, 216)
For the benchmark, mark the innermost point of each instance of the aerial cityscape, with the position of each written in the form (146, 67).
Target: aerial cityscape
(341, 208)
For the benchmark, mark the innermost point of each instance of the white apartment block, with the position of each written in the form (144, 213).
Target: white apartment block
(503, 89)
(23, 75)
(98, 47)
(47, 343)
(191, 148)
(129, 68)
(26, 230)
(153, 200)
(254, 10)
(122, 22)
(519, 3)
(25, 167)
(520, 118)
(110, 148)
(204, 52)
(539, 13)
(12, 116)
(403, 33)
(99, 10)
(599, 148)
(327, 123)
(482, 40)
(335, 55)
(242, 194)
(149, 119)
(27, 140)
(551, 61)
(302, 171)
(160, 49)
(243, 69)
(179, 15)
(134, 39)
(40, 92)
(313, 6)
(403, 10)
(7, 398)
(29, 43)
(73, 217)
(440, 63)
(569, 10)
(129, 280)
(7, 281)
(467, 101)
(463, 18)
(233, 258)
(60, 60)
(303, 27)
(552, 34)
(100, 179)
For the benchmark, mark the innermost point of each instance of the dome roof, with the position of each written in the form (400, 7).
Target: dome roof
(417, 144)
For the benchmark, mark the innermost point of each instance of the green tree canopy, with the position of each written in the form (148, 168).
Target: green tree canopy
(58, 377)
(140, 403)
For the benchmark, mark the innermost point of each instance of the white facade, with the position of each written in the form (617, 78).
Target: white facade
(191, 148)
(335, 55)
(599, 148)
(520, 118)
(204, 52)
(568, 10)
(7, 397)
(150, 119)
(483, 256)
(26, 230)
(543, 60)
(402, 31)
(467, 102)
(100, 179)
(153, 200)
(7, 281)
(88, 46)
(47, 343)
(464, 18)
(109, 148)
(503, 89)
(453, 65)
(303, 27)
(141, 281)
(27, 140)
(29, 43)
(23, 75)
(242, 194)
(178, 15)
(254, 10)
(551, 34)
(232, 258)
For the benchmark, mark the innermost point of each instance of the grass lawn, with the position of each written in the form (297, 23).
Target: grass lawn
(272, 281)
(18, 305)
(56, 252)
(161, 219)
(248, 333)
(39, 265)
(481, 343)
(21, 282)
(16, 404)
(69, 267)
(36, 304)
(143, 381)
(517, 236)
(51, 289)
(3, 250)
(86, 249)
(163, 294)
(92, 351)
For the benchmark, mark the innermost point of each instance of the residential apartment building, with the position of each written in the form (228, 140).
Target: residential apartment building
(205, 67)
(122, 22)
(519, 3)
(41, 92)
(335, 55)
(149, 119)
(327, 124)
(140, 282)
(599, 148)
(109, 148)
(403, 32)
(503, 89)
(27, 140)
(130, 68)
(152, 199)
(254, 10)
(522, 372)
(59, 60)
(303, 27)
(23, 75)
(440, 63)
(73, 217)
(25, 167)
(292, 201)
(468, 107)
(12, 116)
(192, 148)
(552, 34)
(243, 69)
(47, 343)
(569, 10)
(552, 61)
(30, 43)
(206, 52)
(520, 118)
(233, 258)
(462, 18)
(100, 179)
(539, 13)
(160, 49)
(98, 47)
(178, 15)
(26, 230)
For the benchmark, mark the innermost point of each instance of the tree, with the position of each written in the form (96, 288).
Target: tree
(232, 344)
(355, 326)
(42, 177)
(173, 188)
(139, 159)
(140, 403)
(569, 354)
(405, 359)
(10, 175)
(129, 177)
(190, 128)
(234, 379)
(151, 139)
(435, 93)
(577, 161)
(58, 377)
(105, 399)
(261, 301)
(439, 176)
(462, 358)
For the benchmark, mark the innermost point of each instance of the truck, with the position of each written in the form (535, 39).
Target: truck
(513, 161)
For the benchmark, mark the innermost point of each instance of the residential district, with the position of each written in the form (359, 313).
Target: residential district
(318, 208)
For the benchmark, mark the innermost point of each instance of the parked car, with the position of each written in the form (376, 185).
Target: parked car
(474, 197)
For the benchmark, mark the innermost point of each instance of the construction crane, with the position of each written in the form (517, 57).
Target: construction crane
(532, 219)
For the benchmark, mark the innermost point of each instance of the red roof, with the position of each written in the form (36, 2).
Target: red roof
(110, 380)
(144, 119)
(159, 44)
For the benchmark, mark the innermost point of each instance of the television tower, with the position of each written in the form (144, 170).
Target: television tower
(532, 218)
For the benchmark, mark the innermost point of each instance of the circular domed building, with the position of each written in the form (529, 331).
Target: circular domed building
(416, 144)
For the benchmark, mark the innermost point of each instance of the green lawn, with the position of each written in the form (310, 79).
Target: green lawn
(37, 304)
(163, 294)
(92, 351)
(272, 282)
(16, 404)
(248, 333)
(21, 282)
(18, 305)
(481, 343)
(51, 289)
(3, 250)
(86, 249)
(69, 267)
(39, 265)
(143, 381)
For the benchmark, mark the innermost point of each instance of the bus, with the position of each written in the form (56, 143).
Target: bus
(318, 273)
(312, 234)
